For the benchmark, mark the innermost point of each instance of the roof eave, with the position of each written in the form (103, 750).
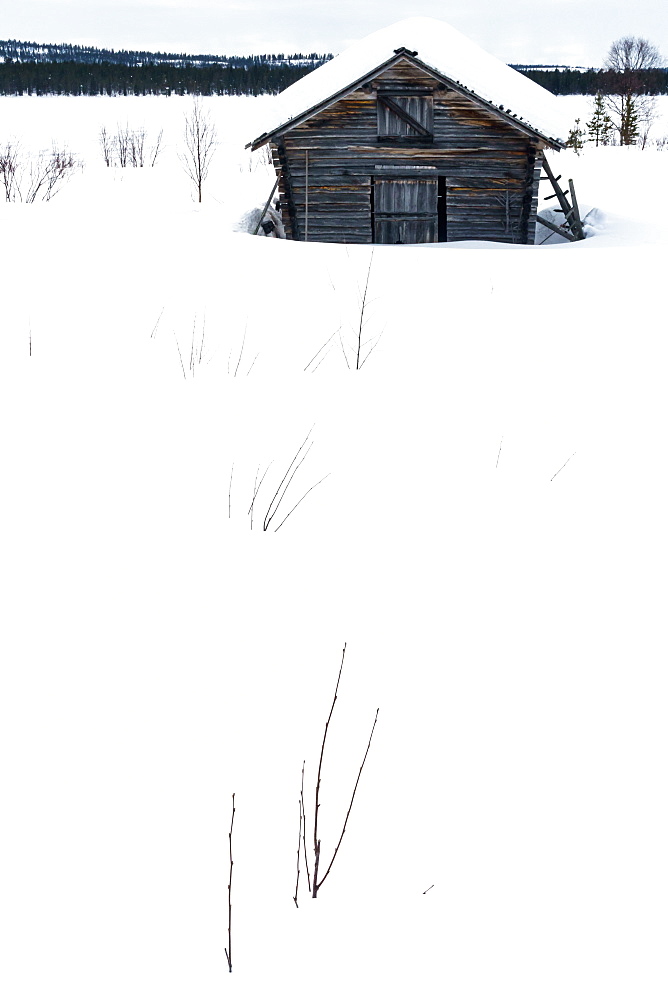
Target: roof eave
(322, 105)
(510, 119)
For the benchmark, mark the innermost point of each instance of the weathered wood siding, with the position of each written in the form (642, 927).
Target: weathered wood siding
(491, 169)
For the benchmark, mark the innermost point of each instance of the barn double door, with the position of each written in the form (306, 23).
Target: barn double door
(406, 209)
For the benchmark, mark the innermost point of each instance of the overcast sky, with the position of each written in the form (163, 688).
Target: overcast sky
(575, 32)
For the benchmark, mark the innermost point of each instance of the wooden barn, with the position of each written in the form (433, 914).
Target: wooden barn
(413, 135)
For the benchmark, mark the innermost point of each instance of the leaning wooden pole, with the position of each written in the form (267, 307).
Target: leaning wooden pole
(264, 210)
(576, 212)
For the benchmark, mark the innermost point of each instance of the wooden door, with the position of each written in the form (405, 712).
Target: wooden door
(405, 210)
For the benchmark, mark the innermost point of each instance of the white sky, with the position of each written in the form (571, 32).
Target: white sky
(575, 32)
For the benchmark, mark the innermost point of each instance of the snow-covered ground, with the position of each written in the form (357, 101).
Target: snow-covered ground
(489, 541)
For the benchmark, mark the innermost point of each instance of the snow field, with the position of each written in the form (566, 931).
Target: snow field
(489, 542)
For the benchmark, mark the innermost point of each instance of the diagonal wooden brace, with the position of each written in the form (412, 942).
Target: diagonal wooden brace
(400, 112)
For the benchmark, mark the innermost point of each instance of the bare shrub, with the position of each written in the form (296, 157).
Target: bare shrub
(10, 170)
(129, 147)
(29, 178)
(48, 173)
(122, 145)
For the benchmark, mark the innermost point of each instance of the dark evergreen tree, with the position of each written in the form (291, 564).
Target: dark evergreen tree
(600, 128)
(576, 137)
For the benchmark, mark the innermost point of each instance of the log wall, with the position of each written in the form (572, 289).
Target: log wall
(491, 169)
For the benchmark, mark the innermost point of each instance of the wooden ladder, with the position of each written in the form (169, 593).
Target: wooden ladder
(571, 228)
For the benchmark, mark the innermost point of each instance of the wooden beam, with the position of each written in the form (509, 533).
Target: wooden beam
(264, 210)
(557, 229)
(576, 210)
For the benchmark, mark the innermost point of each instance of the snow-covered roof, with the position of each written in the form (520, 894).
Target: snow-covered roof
(441, 48)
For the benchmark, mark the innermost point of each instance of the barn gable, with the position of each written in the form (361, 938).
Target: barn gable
(405, 154)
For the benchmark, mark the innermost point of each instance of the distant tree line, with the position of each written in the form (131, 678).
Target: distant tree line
(16, 51)
(595, 81)
(33, 68)
(119, 79)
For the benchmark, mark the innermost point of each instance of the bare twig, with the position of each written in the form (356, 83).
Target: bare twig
(180, 355)
(241, 353)
(256, 490)
(563, 466)
(345, 822)
(371, 349)
(271, 509)
(229, 493)
(191, 366)
(316, 841)
(427, 890)
(343, 349)
(302, 498)
(252, 363)
(201, 343)
(301, 799)
(228, 950)
(321, 349)
(299, 850)
(157, 323)
(157, 149)
(315, 368)
(362, 311)
(499, 454)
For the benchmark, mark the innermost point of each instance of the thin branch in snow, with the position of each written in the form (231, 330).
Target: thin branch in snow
(563, 466)
(321, 360)
(229, 493)
(256, 490)
(321, 349)
(301, 799)
(299, 850)
(303, 498)
(228, 950)
(157, 322)
(191, 366)
(252, 363)
(316, 841)
(274, 505)
(201, 344)
(241, 352)
(371, 349)
(345, 356)
(362, 311)
(499, 454)
(287, 485)
(345, 822)
(180, 355)
(427, 890)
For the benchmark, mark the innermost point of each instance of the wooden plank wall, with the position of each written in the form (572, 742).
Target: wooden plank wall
(491, 169)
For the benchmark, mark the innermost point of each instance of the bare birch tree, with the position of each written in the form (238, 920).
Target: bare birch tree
(631, 108)
(200, 139)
